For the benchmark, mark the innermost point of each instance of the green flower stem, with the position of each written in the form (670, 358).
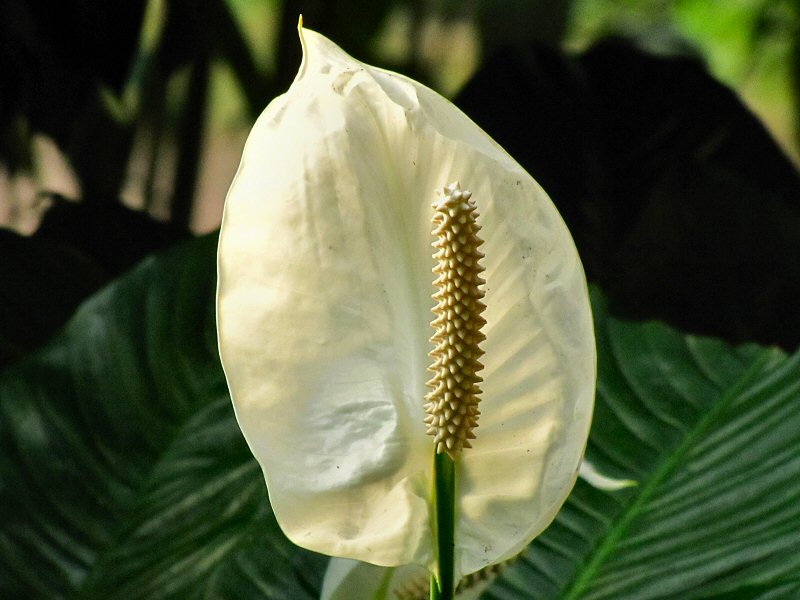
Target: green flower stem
(444, 473)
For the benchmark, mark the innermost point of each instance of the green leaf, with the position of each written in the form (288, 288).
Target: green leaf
(122, 471)
(712, 434)
(43, 283)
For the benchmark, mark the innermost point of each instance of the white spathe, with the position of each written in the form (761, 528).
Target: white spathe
(324, 304)
(589, 473)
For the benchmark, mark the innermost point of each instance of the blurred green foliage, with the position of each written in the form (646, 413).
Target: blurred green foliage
(92, 75)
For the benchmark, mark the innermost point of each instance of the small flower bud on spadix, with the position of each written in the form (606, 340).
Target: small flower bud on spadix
(452, 405)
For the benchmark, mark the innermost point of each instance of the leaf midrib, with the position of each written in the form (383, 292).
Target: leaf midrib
(667, 466)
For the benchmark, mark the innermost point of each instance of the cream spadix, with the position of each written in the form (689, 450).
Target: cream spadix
(324, 307)
(452, 404)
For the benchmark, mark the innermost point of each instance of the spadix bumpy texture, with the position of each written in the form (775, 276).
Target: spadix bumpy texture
(452, 404)
(324, 308)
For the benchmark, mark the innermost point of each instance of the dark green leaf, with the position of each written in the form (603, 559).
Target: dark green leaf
(122, 470)
(77, 248)
(43, 281)
(712, 434)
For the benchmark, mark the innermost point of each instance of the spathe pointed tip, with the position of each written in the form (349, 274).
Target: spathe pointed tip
(303, 47)
(319, 53)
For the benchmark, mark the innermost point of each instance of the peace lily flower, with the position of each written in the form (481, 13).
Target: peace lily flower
(325, 299)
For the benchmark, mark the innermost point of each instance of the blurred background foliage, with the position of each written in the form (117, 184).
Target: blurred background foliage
(148, 102)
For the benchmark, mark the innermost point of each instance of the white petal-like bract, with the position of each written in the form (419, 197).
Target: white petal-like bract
(324, 309)
(589, 473)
